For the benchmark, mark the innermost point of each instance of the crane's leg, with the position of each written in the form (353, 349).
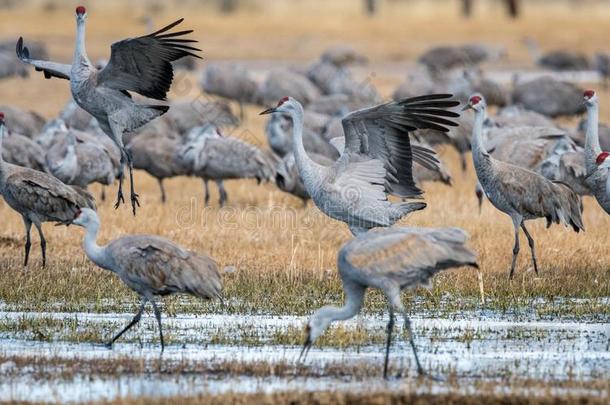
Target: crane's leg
(530, 241)
(117, 132)
(393, 295)
(222, 192)
(28, 239)
(133, 195)
(388, 343)
(120, 199)
(207, 191)
(516, 223)
(43, 243)
(158, 316)
(407, 326)
(134, 321)
(162, 190)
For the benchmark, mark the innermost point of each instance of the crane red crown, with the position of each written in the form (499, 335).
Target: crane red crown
(589, 93)
(475, 100)
(601, 157)
(1, 116)
(81, 10)
(282, 100)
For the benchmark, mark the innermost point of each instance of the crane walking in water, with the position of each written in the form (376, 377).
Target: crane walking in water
(377, 160)
(142, 65)
(519, 192)
(391, 260)
(151, 266)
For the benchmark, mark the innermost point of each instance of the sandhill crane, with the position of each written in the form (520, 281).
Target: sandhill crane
(142, 65)
(390, 260)
(186, 115)
(232, 82)
(604, 165)
(474, 81)
(332, 76)
(23, 151)
(79, 161)
(440, 59)
(517, 116)
(335, 104)
(212, 156)
(594, 156)
(151, 266)
(28, 123)
(549, 96)
(342, 55)
(518, 192)
(377, 160)
(547, 151)
(38, 197)
(558, 59)
(285, 81)
(157, 155)
(279, 136)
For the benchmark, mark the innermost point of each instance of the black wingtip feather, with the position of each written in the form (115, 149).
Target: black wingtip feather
(166, 28)
(425, 97)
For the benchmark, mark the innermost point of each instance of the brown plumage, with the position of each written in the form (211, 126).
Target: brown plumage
(23, 151)
(211, 156)
(38, 197)
(519, 192)
(151, 266)
(157, 155)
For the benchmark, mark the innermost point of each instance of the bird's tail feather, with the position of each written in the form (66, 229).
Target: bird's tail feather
(568, 209)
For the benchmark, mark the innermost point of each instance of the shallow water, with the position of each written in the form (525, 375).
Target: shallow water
(474, 346)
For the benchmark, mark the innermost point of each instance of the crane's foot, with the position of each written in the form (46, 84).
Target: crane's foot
(120, 199)
(134, 202)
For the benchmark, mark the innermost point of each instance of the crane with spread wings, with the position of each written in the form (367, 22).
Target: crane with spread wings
(141, 65)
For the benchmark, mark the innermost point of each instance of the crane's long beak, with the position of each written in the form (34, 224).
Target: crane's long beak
(268, 111)
(466, 107)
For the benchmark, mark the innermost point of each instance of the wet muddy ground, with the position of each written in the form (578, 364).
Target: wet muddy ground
(53, 356)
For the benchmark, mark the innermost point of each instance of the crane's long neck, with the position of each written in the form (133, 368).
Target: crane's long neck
(304, 163)
(479, 152)
(354, 297)
(80, 62)
(592, 147)
(96, 253)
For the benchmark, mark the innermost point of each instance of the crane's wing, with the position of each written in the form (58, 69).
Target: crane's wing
(410, 256)
(143, 64)
(50, 69)
(45, 195)
(382, 132)
(157, 264)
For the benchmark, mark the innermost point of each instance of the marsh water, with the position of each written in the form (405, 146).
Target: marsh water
(470, 346)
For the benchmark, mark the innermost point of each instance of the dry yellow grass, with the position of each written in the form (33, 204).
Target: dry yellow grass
(280, 249)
